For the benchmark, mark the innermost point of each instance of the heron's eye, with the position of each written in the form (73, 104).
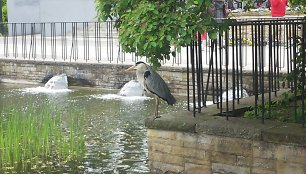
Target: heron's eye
(146, 74)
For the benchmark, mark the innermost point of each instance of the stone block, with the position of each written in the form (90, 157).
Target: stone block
(244, 161)
(197, 161)
(236, 146)
(188, 139)
(161, 134)
(293, 154)
(263, 150)
(166, 158)
(196, 141)
(283, 167)
(263, 163)
(190, 153)
(159, 167)
(178, 150)
(156, 147)
(219, 168)
(197, 169)
(224, 158)
(196, 153)
(261, 171)
(165, 141)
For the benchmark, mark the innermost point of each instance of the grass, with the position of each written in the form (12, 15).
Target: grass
(32, 139)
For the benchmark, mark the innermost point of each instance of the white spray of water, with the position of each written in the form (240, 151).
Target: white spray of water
(230, 94)
(120, 97)
(57, 84)
(132, 88)
(131, 91)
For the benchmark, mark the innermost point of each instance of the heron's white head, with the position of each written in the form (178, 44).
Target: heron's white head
(139, 66)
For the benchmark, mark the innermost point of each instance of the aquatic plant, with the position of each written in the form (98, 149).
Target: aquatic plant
(34, 139)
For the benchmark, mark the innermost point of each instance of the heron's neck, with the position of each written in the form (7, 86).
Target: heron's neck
(140, 75)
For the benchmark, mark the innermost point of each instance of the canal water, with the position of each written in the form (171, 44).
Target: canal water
(115, 135)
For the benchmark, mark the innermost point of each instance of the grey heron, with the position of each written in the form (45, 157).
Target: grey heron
(153, 83)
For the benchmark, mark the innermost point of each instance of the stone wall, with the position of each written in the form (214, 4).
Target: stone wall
(179, 152)
(111, 76)
(179, 143)
(105, 76)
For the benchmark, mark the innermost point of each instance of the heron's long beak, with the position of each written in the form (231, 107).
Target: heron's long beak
(131, 68)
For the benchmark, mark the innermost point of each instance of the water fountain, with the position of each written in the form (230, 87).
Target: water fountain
(230, 93)
(131, 91)
(56, 84)
(132, 88)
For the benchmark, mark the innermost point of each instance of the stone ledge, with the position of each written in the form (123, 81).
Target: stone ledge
(289, 133)
(236, 127)
(177, 121)
(62, 63)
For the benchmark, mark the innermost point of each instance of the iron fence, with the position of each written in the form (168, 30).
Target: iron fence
(251, 58)
(84, 42)
(91, 42)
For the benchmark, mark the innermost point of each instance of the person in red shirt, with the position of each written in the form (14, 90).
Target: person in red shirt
(278, 7)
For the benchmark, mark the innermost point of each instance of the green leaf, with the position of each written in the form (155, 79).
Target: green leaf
(168, 38)
(145, 46)
(153, 44)
(213, 35)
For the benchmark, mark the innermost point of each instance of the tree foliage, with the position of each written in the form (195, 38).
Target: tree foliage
(298, 2)
(157, 28)
(4, 10)
(297, 76)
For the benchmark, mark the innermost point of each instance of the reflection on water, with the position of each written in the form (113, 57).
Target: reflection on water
(127, 99)
(115, 135)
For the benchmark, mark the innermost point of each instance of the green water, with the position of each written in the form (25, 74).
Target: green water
(115, 135)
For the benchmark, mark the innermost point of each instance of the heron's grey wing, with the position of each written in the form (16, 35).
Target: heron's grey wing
(156, 85)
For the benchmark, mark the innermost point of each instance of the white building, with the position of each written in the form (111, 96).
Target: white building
(46, 11)
(37, 11)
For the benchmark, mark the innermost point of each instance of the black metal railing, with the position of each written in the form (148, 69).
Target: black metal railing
(251, 58)
(84, 42)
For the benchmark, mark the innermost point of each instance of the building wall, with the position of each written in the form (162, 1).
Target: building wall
(23, 11)
(30, 11)
(45, 11)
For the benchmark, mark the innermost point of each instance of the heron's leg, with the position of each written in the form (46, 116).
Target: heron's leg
(157, 100)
